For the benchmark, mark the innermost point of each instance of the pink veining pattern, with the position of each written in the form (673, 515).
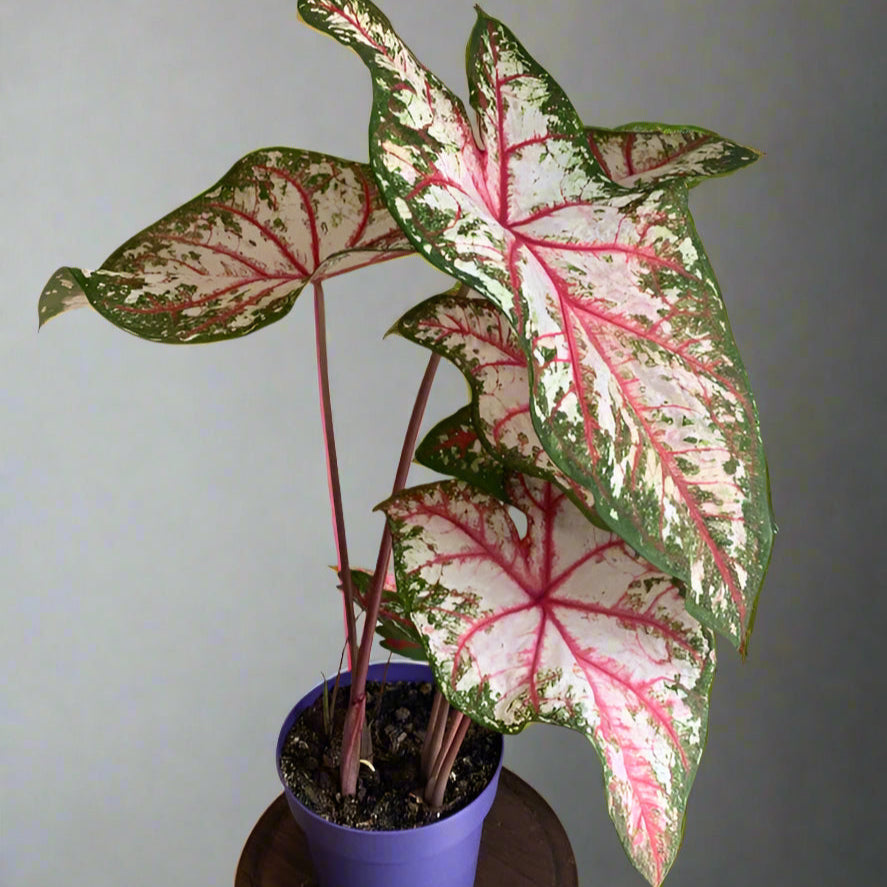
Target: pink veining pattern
(638, 389)
(651, 156)
(471, 333)
(236, 258)
(564, 625)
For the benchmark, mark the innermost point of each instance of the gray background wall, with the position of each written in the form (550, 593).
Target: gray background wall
(163, 514)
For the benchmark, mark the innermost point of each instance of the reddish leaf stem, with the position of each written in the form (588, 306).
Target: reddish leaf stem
(434, 733)
(351, 740)
(332, 470)
(440, 773)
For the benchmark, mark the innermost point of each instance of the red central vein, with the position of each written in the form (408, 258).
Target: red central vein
(512, 356)
(236, 309)
(583, 657)
(266, 232)
(217, 248)
(595, 150)
(486, 548)
(670, 467)
(685, 149)
(308, 206)
(337, 10)
(365, 217)
(648, 257)
(175, 307)
(626, 153)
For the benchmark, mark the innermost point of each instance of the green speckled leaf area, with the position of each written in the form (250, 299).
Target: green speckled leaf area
(453, 447)
(472, 334)
(565, 625)
(392, 625)
(62, 293)
(637, 388)
(235, 258)
(651, 154)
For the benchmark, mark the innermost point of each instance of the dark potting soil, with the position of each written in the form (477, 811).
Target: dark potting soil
(388, 797)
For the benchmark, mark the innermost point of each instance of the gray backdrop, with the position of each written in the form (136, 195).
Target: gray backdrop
(163, 511)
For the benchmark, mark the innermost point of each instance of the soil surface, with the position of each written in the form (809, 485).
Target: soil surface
(389, 797)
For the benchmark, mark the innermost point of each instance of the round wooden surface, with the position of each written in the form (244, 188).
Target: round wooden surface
(524, 845)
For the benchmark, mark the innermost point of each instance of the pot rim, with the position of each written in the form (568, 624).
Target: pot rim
(469, 810)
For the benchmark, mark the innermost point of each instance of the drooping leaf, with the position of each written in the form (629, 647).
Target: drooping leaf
(62, 293)
(651, 154)
(638, 390)
(565, 625)
(236, 257)
(453, 447)
(472, 334)
(393, 624)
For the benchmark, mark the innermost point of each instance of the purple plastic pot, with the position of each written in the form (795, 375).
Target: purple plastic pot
(443, 854)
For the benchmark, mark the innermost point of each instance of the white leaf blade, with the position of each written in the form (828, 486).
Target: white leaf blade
(566, 626)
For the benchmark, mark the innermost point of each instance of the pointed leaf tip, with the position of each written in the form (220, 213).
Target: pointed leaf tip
(62, 293)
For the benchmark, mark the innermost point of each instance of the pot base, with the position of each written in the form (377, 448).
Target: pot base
(276, 852)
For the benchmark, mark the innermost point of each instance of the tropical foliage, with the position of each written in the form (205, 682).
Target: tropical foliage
(609, 404)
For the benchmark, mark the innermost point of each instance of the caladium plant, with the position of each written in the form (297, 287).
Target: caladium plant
(609, 405)
(638, 391)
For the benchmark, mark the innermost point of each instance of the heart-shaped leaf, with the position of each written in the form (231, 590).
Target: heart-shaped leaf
(565, 625)
(650, 154)
(392, 624)
(235, 258)
(637, 388)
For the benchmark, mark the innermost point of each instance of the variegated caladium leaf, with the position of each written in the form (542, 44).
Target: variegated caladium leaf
(650, 154)
(236, 257)
(637, 388)
(455, 448)
(565, 625)
(392, 625)
(474, 335)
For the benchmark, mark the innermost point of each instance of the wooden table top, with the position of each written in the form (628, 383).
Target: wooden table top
(523, 845)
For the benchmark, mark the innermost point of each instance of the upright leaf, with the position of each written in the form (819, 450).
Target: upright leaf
(638, 390)
(236, 257)
(565, 625)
